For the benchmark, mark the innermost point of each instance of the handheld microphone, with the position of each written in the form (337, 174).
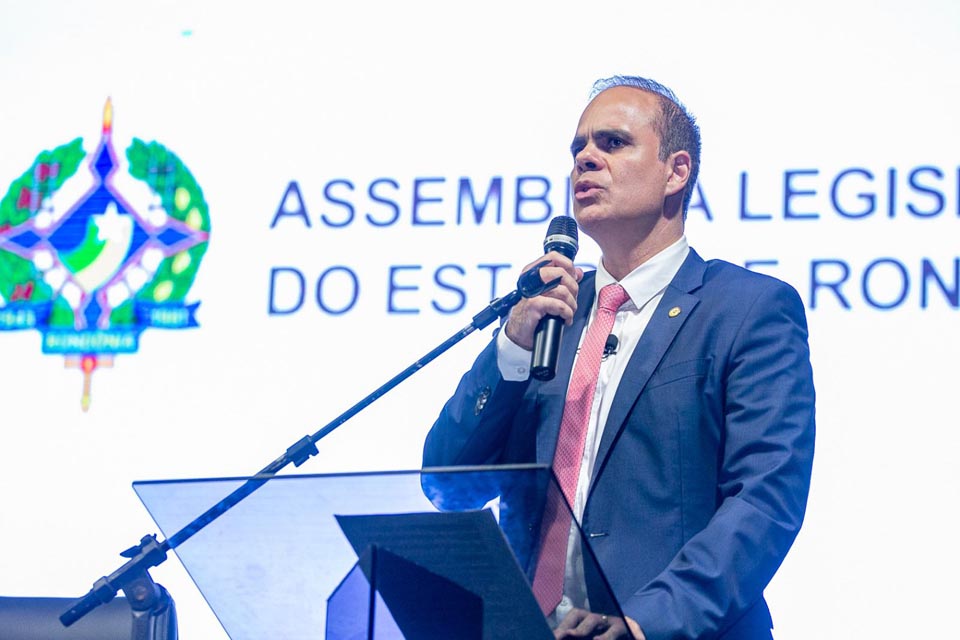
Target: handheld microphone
(561, 237)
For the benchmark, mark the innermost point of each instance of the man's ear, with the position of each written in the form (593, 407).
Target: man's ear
(679, 166)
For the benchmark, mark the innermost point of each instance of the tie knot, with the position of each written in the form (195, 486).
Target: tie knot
(612, 297)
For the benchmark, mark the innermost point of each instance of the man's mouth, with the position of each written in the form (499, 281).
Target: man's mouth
(585, 189)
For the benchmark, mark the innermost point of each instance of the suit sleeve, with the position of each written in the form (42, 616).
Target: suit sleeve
(474, 427)
(766, 455)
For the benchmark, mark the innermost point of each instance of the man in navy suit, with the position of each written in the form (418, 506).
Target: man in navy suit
(699, 445)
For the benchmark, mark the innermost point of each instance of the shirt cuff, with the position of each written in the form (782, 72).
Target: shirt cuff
(512, 359)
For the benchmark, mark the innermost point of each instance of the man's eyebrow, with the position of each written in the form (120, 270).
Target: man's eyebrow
(578, 143)
(614, 133)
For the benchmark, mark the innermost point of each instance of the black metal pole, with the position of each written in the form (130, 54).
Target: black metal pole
(150, 552)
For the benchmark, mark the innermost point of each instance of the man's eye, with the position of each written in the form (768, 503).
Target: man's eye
(615, 143)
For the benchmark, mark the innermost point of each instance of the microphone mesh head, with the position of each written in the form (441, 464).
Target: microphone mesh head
(562, 236)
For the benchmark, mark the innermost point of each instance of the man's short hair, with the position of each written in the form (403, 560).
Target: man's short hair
(676, 126)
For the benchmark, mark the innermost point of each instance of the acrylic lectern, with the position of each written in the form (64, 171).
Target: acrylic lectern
(433, 553)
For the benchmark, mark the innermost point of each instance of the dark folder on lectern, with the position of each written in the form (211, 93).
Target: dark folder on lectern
(443, 553)
(466, 549)
(388, 598)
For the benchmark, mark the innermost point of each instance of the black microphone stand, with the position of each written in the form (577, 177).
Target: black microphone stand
(133, 577)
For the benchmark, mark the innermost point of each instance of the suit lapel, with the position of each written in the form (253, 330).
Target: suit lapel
(656, 339)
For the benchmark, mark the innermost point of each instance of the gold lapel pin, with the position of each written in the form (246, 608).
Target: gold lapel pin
(673, 313)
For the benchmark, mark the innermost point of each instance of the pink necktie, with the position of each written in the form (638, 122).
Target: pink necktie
(555, 528)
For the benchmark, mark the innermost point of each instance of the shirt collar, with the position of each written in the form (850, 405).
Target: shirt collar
(651, 277)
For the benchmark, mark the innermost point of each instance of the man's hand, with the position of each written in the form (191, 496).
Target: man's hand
(580, 623)
(561, 301)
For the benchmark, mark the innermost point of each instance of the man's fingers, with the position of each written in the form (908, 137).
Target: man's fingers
(583, 624)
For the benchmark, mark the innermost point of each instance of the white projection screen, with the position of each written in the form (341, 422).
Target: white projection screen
(341, 186)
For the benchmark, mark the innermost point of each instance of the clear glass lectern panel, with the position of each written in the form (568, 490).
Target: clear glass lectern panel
(268, 566)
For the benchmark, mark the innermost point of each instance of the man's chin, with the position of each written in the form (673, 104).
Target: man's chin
(589, 217)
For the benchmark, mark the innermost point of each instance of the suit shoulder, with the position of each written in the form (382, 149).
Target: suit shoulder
(731, 281)
(723, 272)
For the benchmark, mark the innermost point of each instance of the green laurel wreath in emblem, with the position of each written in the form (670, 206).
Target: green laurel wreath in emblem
(181, 199)
(19, 277)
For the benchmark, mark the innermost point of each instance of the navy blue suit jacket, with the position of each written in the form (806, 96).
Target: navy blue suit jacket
(701, 480)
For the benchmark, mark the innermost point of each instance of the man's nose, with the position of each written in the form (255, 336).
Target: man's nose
(587, 159)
